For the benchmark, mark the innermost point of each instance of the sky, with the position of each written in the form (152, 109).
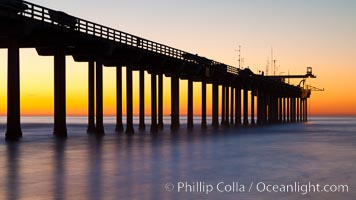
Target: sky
(316, 33)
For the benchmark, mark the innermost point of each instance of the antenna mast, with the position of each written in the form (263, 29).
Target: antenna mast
(273, 62)
(239, 60)
(239, 56)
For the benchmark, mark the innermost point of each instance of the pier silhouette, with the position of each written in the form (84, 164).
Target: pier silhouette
(55, 33)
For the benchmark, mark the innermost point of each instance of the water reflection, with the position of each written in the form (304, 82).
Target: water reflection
(59, 175)
(12, 171)
(94, 156)
(138, 167)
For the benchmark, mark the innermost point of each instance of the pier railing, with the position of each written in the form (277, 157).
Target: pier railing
(71, 23)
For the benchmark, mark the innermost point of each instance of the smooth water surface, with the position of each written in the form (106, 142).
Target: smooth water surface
(322, 151)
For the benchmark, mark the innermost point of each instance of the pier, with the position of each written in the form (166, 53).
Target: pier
(55, 33)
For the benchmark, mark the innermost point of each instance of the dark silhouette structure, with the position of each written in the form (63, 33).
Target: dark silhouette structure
(54, 33)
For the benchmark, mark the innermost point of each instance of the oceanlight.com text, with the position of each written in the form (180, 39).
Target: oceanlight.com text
(259, 187)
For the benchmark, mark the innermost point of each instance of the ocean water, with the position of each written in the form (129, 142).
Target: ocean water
(314, 160)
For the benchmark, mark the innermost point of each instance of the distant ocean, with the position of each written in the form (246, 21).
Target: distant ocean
(314, 160)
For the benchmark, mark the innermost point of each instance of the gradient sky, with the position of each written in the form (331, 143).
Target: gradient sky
(317, 33)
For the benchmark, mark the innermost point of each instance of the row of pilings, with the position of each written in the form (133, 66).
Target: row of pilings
(41, 28)
(276, 102)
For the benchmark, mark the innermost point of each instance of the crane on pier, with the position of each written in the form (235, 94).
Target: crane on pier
(315, 89)
(308, 88)
(309, 74)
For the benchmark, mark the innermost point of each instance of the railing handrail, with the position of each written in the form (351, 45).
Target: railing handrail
(41, 13)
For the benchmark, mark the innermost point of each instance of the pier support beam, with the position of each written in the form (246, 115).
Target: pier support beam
(99, 99)
(154, 127)
(119, 127)
(227, 104)
(259, 108)
(270, 109)
(252, 107)
(280, 109)
(232, 106)
(215, 104)
(223, 101)
(288, 110)
(60, 129)
(245, 107)
(203, 104)
(91, 97)
(226, 107)
(266, 107)
(129, 103)
(237, 106)
(306, 109)
(264, 103)
(297, 109)
(13, 131)
(142, 125)
(302, 110)
(160, 102)
(190, 104)
(258, 111)
(174, 102)
(293, 110)
(275, 108)
(284, 110)
(296, 102)
(301, 113)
